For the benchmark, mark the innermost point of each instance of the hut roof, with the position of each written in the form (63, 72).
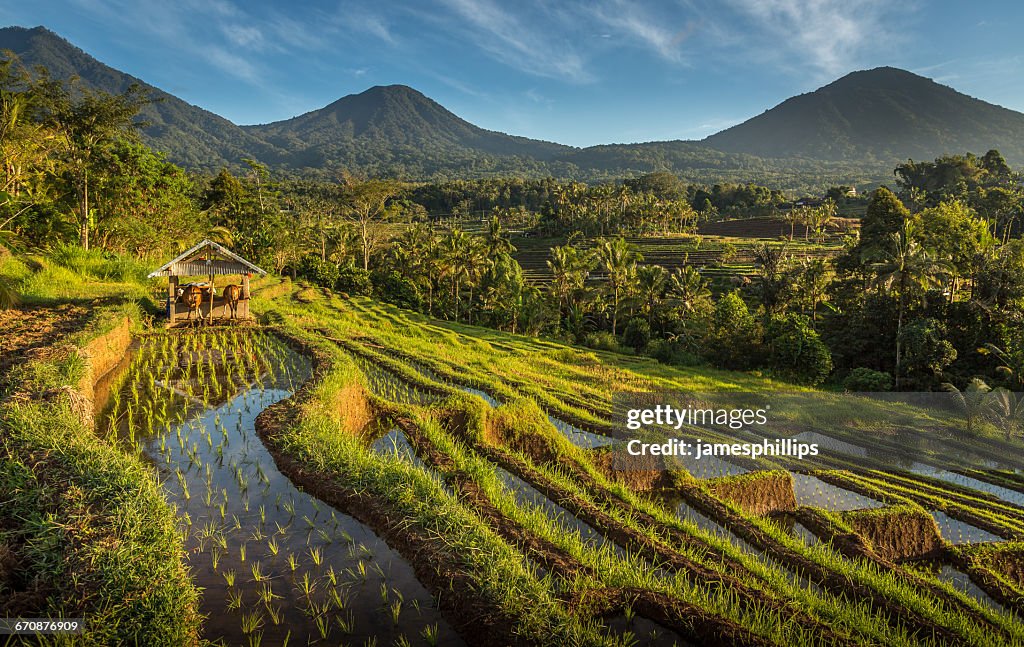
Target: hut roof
(207, 258)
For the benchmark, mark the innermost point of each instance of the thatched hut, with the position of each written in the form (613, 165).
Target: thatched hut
(207, 259)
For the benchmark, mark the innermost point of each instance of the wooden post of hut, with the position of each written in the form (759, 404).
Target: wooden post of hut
(207, 259)
(245, 292)
(172, 298)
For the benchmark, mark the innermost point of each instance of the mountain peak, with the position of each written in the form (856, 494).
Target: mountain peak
(882, 114)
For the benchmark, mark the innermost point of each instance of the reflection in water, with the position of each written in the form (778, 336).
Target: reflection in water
(812, 491)
(529, 496)
(275, 564)
(960, 532)
(1006, 494)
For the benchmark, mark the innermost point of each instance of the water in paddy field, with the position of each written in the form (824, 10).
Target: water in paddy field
(960, 532)
(830, 444)
(1010, 496)
(579, 437)
(958, 580)
(527, 495)
(812, 491)
(276, 563)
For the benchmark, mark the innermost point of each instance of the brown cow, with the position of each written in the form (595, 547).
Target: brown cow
(232, 294)
(192, 296)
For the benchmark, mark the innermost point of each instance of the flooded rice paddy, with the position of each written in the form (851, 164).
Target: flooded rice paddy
(274, 563)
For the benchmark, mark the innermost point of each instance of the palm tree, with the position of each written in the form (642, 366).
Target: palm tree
(618, 259)
(770, 261)
(495, 240)
(822, 216)
(1008, 411)
(906, 265)
(476, 260)
(453, 260)
(812, 283)
(687, 288)
(651, 282)
(794, 216)
(569, 271)
(972, 401)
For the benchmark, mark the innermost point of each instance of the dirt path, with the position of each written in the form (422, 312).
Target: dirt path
(26, 330)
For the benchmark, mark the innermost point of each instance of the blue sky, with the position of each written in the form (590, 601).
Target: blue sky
(576, 72)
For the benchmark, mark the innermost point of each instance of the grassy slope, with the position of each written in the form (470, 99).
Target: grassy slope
(86, 531)
(492, 361)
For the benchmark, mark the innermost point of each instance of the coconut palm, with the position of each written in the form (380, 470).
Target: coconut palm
(972, 401)
(569, 269)
(1007, 410)
(495, 240)
(794, 216)
(906, 266)
(618, 259)
(651, 281)
(821, 217)
(687, 288)
(454, 253)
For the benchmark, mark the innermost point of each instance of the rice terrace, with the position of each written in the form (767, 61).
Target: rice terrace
(316, 387)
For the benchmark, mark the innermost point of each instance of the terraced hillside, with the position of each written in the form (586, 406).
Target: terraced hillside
(351, 472)
(513, 432)
(721, 249)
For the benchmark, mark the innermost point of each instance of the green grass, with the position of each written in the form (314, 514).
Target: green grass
(87, 521)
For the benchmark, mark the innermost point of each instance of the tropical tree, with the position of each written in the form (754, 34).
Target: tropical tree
(618, 259)
(569, 269)
(972, 401)
(651, 281)
(809, 281)
(84, 122)
(1007, 409)
(771, 264)
(454, 257)
(820, 217)
(906, 266)
(795, 216)
(687, 289)
(495, 240)
(368, 204)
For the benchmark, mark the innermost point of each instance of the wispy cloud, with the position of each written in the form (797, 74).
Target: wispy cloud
(636, 24)
(525, 46)
(829, 36)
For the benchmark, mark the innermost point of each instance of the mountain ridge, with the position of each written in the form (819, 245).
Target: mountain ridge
(856, 126)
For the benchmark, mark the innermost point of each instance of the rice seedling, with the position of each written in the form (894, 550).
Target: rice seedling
(234, 599)
(317, 555)
(251, 621)
(307, 586)
(346, 622)
(430, 635)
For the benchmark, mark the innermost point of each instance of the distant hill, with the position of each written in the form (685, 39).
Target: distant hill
(393, 124)
(882, 114)
(848, 132)
(191, 136)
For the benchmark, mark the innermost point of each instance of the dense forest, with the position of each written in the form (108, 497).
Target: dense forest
(930, 292)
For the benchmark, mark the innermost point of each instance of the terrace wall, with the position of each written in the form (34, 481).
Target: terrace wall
(897, 533)
(102, 355)
(757, 492)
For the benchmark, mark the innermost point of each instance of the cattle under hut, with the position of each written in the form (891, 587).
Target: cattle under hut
(200, 299)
